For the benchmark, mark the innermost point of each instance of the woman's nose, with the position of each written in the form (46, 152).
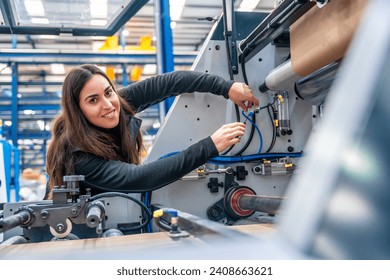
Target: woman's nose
(107, 103)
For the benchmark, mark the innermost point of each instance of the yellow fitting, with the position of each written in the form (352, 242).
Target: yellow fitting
(280, 98)
(158, 213)
(136, 73)
(110, 71)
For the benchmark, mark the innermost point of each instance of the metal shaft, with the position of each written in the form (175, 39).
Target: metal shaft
(95, 214)
(18, 219)
(264, 204)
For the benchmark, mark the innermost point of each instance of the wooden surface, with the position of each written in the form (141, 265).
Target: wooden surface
(119, 246)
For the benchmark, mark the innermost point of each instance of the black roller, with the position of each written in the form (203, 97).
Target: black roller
(18, 219)
(263, 88)
(264, 204)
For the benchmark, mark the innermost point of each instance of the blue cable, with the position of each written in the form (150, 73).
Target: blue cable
(168, 155)
(147, 203)
(246, 158)
(247, 117)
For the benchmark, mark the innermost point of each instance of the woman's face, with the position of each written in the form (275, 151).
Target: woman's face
(99, 102)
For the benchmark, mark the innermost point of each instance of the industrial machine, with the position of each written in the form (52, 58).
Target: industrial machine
(308, 180)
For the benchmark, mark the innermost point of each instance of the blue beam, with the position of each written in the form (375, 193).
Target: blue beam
(16, 165)
(34, 135)
(127, 57)
(32, 94)
(125, 81)
(14, 104)
(34, 83)
(165, 43)
(36, 107)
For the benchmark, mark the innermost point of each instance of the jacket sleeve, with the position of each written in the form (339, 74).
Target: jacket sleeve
(153, 90)
(109, 175)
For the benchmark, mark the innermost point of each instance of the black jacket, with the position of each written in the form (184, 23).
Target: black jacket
(108, 175)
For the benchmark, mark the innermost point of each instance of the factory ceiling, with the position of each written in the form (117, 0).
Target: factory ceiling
(82, 30)
(69, 25)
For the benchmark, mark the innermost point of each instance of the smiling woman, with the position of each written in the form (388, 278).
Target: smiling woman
(100, 103)
(98, 135)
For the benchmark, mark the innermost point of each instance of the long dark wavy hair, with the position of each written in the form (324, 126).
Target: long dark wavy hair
(71, 131)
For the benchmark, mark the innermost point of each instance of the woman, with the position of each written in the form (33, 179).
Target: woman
(98, 136)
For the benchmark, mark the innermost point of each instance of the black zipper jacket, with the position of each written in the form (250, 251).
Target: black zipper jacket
(108, 175)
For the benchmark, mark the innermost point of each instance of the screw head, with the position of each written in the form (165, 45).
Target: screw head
(44, 214)
(60, 227)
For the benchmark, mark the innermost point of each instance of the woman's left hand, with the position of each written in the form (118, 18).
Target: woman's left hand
(241, 94)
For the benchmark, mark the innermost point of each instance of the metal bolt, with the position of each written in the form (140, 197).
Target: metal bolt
(60, 227)
(257, 169)
(44, 214)
(73, 211)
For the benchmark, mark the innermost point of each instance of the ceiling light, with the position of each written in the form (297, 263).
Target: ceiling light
(125, 32)
(40, 20)
(34, 7)
(5, 69)
(29, 112)
(176, 8)
(98, 22)
(57, 68)
(156, 125)
(150, 69)
(248, 5)
(41, 125)
(47, 37)
(98, 8)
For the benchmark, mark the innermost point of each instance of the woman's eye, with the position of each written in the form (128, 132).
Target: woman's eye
(109, 92)
(93, 100)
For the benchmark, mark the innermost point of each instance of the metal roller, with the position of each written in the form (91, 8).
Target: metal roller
(315, 87)
(281, 78)
(22, 217)
(241, 202)
(264, 204)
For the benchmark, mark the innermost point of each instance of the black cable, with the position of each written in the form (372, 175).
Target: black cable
(144, 200)
(229, 58)
(129, 197)
(252, 132)
(149, 205)
(242, 63)
(162, 224)
(273, 130)
(227, 43)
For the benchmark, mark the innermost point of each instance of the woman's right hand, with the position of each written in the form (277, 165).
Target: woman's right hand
(228, 135)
